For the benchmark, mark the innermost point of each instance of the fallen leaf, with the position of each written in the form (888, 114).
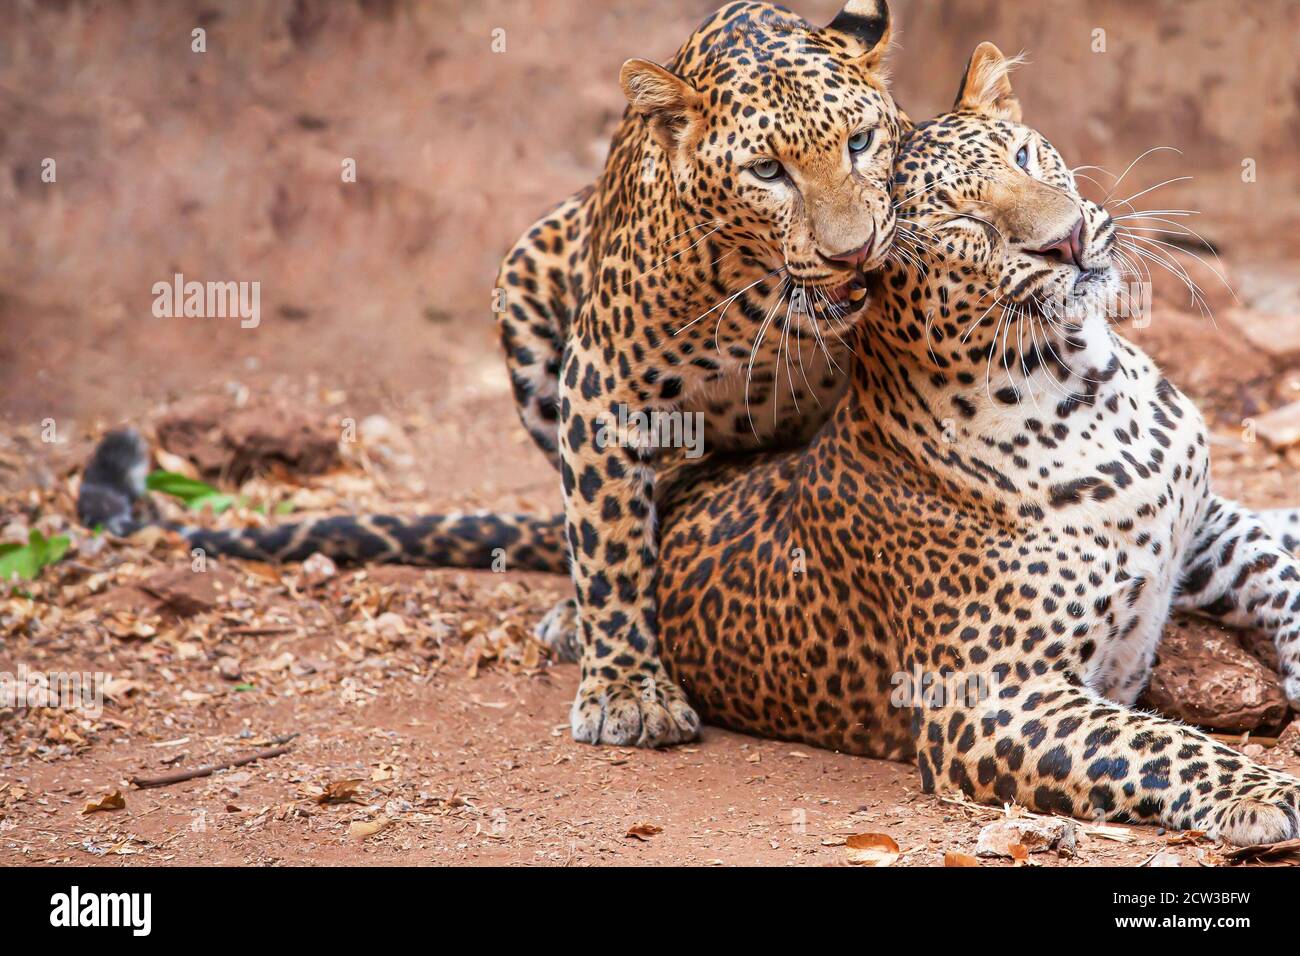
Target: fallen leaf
(361, 829)
(340, 791)
(953, 858)
(113, 801)
(1263, 851)
(871, 849)
(643, 831)
(120, 688)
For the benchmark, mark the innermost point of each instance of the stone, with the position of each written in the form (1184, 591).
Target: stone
(1035, 834)
(1203, 676)
(1280, 427)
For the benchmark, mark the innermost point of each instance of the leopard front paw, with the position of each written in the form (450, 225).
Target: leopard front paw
(633, 709)
(1265, 816)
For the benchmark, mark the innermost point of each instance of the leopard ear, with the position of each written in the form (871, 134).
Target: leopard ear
(669, 104)
(865, 27)
(986, 87)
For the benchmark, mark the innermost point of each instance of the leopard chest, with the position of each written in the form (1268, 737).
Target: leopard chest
(764, 375)
(1107, 493)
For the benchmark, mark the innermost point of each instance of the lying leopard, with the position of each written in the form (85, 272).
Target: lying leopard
(709, 271)
(1026, 514)
(1009, 491)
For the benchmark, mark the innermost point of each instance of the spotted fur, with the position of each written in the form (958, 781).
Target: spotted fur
(681, 281)
(689, 280)
(1007, 504)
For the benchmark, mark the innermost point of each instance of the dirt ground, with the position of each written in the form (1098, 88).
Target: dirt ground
(424, 725)
(417, 701)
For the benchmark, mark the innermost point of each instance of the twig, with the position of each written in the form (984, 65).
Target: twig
(206, 771)
(262, 631)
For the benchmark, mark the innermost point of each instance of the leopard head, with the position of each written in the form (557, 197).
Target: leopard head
(782, 133)
(992, 225)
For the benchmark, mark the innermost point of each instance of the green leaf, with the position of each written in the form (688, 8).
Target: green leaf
(243, 687)
(194, 494)
(26, 561)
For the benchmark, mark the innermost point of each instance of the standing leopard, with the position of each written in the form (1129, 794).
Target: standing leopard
(703, 274)
(1009, 491)
(710, 271)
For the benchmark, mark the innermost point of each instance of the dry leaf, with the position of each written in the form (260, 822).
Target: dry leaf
(1263, 851)
(119, 688)
(1019, 853)
(175, 463)
(643, 831)
(340, 791)
(871, 849)
(953, 858)
(360, 829)
(113, 801)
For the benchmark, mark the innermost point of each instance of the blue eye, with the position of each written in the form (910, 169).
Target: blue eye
(1022, 157)
(861, 140)
(767, 169)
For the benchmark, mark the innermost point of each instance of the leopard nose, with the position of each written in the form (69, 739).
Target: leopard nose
(1069, 249)
(854, 257)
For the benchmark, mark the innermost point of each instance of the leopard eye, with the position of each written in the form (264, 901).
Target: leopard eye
(859, 141)
(1022, 157)
(767, 169)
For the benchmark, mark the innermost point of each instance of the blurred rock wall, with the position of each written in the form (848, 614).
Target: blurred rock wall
(466, 120)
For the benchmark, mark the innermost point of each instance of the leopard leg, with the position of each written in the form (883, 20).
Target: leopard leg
(1241, 574)
(624, 696)
(536, 293)
(1284, 525)
(1057, 747)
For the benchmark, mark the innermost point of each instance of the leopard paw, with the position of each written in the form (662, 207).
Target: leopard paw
(558, 630)
(1262, 817)
(632, 710)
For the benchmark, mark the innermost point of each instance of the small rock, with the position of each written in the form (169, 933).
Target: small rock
(374, 428)
(317, 569)
(183, 591)
(1280, 427)
(390, 625)
(1034, 834)
(1203, 676)
(248, 439)
(229, 668)
(1271, 327)
(1289, 740)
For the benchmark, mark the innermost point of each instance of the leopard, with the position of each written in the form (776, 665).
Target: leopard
(710, 272)
(970, 565)
(974, 507)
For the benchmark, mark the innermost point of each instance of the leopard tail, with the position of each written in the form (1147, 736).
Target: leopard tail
(114, 484)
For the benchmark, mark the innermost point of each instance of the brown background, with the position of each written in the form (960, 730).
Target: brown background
(226, 165)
